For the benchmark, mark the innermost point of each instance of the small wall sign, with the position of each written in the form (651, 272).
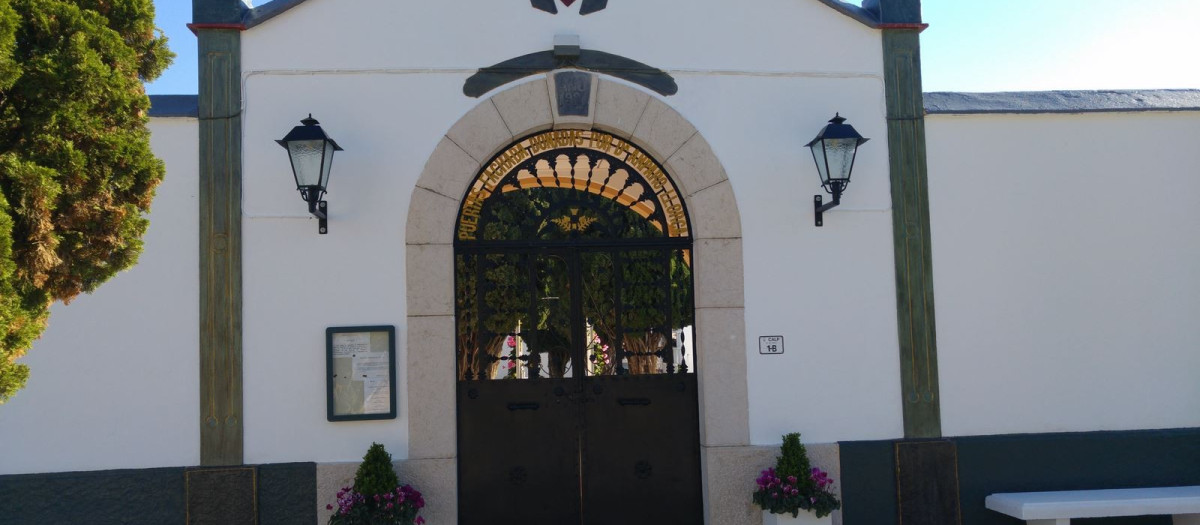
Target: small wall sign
(360, 364)
(770, 344)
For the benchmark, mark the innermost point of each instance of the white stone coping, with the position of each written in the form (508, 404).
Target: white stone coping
(1097, 503)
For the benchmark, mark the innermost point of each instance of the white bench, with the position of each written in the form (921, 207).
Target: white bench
(1057, 508)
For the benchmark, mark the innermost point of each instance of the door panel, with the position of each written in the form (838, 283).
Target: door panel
(641, 459)
(518, 452)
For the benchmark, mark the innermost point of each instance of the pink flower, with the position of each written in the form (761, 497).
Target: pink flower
(821, 478)
(329, 507)
(512, 365)
(511, 341)
(420, 521)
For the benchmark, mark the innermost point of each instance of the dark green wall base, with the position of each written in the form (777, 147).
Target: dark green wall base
(272, 494)
(148, 496)
(217, 496)
(927, 482)
(287, 493)
(1024, 463)
(869, 483)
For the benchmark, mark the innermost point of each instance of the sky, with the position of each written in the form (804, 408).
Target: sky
(971, 45)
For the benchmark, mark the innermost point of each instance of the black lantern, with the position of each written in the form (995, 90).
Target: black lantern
(311, 152)
(834, 150)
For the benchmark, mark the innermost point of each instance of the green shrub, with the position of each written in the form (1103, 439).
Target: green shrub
(375, 474)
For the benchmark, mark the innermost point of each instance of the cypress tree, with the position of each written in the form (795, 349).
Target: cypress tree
(76, 172)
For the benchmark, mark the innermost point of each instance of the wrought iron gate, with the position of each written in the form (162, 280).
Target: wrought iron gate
(564, 435)
(577, 397)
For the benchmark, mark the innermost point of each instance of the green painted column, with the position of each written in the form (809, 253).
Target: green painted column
(910, 223)
(220, 245)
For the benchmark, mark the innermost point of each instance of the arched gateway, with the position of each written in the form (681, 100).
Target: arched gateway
(573, 299)
(592, 347)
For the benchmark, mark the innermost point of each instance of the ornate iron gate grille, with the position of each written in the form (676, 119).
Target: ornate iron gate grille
(577, 399)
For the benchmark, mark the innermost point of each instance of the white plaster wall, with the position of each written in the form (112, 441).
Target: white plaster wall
(770, 36)
(115, 378)
(755, 80)
(1065, 253)
(296, 282)
(829, 290)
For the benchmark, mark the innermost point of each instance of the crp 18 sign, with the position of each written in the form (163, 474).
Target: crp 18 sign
(770, 344)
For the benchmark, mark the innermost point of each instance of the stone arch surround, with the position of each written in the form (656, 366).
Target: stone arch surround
(645, 120)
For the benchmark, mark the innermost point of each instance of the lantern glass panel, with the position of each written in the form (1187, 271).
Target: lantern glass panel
(307, 161)
(840, 155)
(818, 153)
(327, 164)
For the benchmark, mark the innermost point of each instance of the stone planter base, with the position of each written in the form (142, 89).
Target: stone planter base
(804, 518)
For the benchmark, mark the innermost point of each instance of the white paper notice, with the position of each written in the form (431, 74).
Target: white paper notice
(376, 395)
(370, 365)
(346, 345)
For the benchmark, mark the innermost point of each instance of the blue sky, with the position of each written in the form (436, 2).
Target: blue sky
(971, 45)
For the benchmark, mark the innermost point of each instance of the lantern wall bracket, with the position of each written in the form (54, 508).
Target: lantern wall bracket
(820, 208)
(320, 210)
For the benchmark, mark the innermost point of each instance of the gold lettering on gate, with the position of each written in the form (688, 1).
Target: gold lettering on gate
(530, 166)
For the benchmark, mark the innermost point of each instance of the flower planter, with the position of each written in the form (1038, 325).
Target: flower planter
(804, 518)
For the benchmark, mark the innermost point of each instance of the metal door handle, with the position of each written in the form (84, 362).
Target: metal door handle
(639, 401)
(524, 406)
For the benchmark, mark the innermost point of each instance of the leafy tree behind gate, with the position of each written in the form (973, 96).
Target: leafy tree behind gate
(76, 172)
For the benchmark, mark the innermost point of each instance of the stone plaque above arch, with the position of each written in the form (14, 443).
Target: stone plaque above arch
(631, 114)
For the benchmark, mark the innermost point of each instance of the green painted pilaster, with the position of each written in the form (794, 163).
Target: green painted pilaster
(910, 223)
(220, 247)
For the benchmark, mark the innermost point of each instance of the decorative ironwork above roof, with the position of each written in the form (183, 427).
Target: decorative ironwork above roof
(588, 7)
